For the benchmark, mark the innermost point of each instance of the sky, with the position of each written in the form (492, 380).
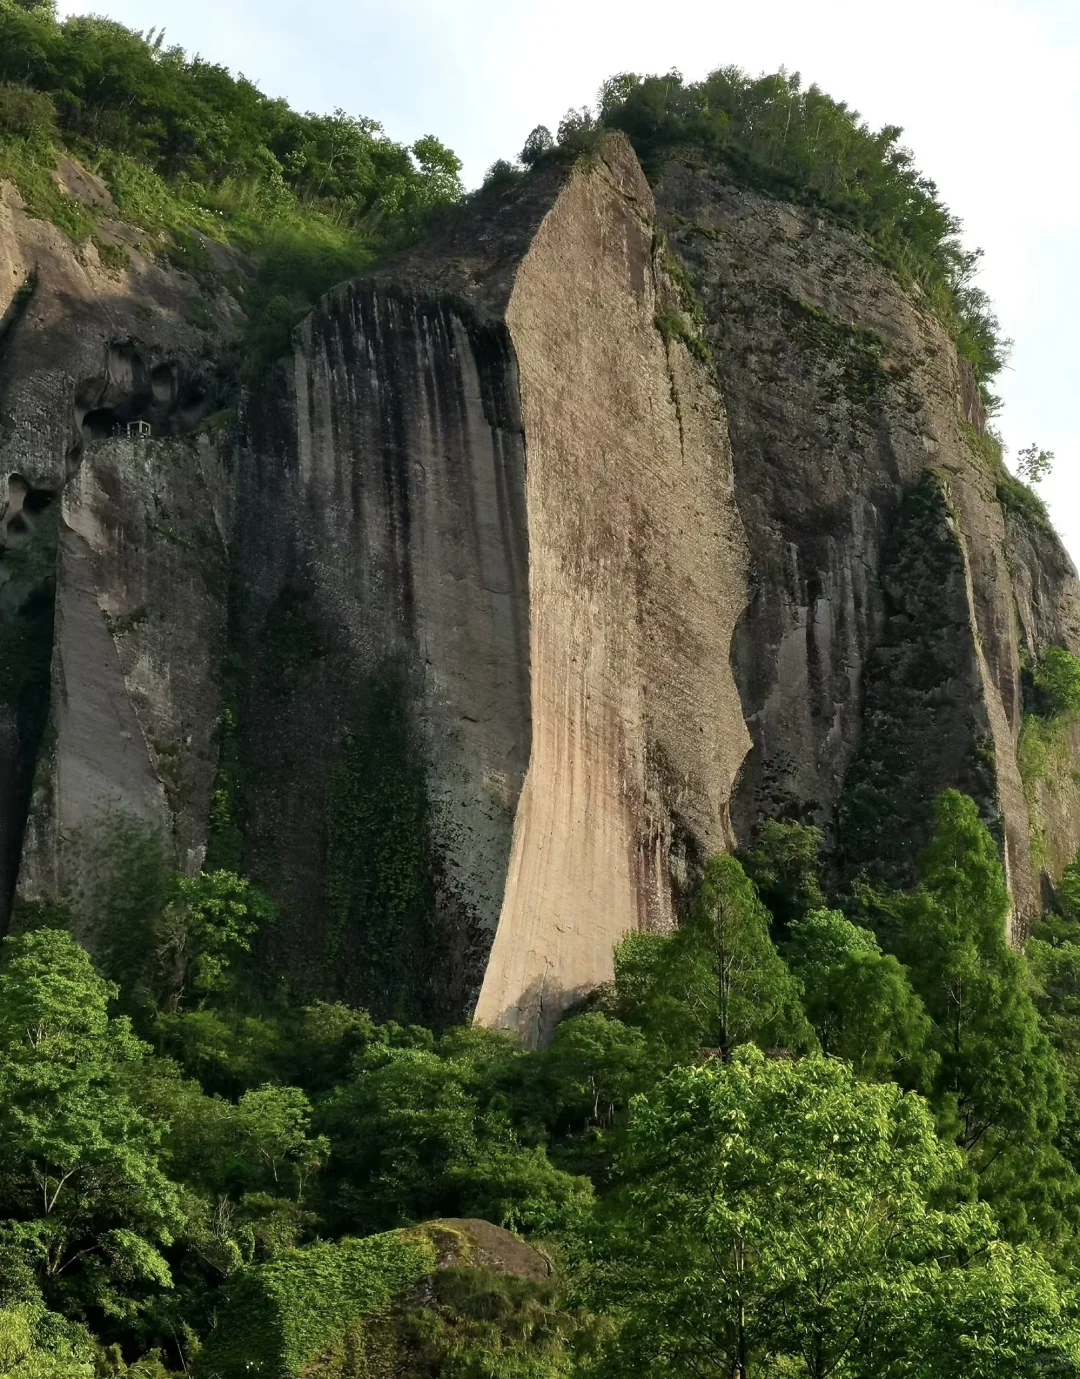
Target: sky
(987, 91)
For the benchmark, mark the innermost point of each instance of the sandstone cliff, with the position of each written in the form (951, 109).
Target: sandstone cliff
(492, 490)
(880, 657)
(112, 569)
(560, 552)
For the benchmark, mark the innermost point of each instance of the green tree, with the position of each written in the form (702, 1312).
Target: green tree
(36, 1344)
(1034, 465)
(539, 142)
(996, 1064)
(859, 1000)
(780, 1219)
(208, 923)
(999, 1084)
(229, 1051)
(596, 1064)
(724, 970)
(1056, 681)
(86, 1201)
(273, 1123)
(785, 866)
(718, 981)
(1053, 955)
(410, 1141)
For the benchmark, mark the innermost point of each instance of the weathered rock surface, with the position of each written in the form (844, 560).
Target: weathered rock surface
(840, 392)
(637, 576)
(107, 547)
(491, 475)
(518, 587)
(138, 643)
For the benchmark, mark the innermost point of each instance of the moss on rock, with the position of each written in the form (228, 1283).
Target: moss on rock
(385, 1305)
(922, 727)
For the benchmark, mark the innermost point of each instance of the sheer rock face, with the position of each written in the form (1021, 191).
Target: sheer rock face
(525, 604)
(502, 482)
(382, 553)
(106, 547)
(840, 393)
(637, 576)
(139, 638)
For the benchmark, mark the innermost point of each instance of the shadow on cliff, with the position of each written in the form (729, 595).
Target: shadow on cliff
(535, 1014)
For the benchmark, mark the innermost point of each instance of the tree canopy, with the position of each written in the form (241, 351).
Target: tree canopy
(846, 1151)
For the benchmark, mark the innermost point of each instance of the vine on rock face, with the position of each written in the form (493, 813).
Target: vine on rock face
(380, 859)
(1052, 695)
(282, 1315)
(917, 736)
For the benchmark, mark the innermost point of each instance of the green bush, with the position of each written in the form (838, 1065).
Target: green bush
(1057, 684)
(482, 1323)
(280, 1316)
(1021, 503)
(26, 113)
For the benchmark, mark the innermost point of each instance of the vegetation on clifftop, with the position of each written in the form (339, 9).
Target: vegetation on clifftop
(194, 155)
(191, 153)
(797, 143)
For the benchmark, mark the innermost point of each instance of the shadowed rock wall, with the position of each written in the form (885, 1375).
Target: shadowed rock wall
(841, 391)
(114, 720)
(382, 548)
(138, 641)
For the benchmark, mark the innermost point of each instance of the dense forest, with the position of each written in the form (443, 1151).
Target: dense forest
(813, 1132)
(789, 1138)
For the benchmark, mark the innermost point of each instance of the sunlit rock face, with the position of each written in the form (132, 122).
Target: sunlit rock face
(556, 554)
(637, 577)
(493, 493)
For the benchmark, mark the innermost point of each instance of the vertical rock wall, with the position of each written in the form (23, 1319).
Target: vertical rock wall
(453, 649)
(138, 641)
(637, 575)
(382, 545)
(841, 391)
(122, 541)
(488, 489)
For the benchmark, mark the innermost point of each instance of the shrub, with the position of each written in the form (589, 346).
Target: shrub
(502, 174)
(1020, 503)
(537, 145)
(281, 1315)
(26, 113)
(1057, 683)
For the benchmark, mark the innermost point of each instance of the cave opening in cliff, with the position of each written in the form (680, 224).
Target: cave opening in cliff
(37, 499)
(103, 422)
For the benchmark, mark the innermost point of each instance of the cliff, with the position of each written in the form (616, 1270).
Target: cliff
(895, 599)
(112, 578)
(559, 552)
(494, 507)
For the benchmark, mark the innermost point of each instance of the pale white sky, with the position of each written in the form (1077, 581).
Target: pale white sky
(987, 91)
